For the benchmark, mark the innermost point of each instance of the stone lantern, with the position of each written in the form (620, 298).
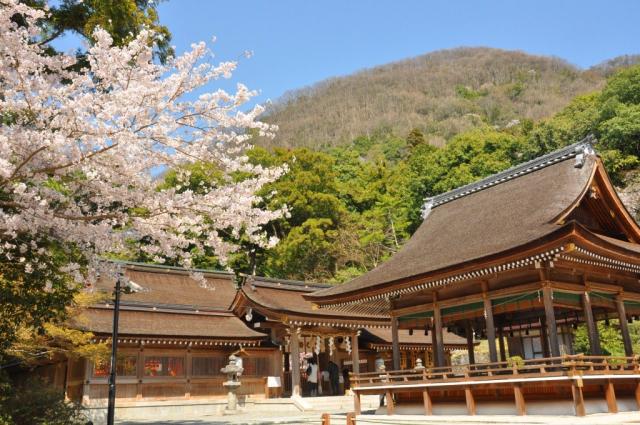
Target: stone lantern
(232, 370)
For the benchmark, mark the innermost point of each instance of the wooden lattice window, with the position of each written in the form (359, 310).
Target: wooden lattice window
(164, 366)
(207, 366)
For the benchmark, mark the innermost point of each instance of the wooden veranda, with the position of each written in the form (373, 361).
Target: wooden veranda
(573, 377)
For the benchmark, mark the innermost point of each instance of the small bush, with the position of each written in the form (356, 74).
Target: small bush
(35, 403)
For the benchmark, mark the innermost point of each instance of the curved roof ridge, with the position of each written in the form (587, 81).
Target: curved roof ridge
(293, 284)
(576, 150)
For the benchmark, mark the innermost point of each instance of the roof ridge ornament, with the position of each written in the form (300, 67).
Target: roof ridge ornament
(579, 151)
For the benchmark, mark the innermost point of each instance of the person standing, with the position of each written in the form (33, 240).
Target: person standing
(312, 377)
(334, 377)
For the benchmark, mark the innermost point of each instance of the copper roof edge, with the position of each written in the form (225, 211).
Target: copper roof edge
(161, 268)
(273, 282)
(577, 150)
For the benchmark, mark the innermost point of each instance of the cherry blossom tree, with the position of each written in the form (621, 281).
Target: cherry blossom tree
(79, 150)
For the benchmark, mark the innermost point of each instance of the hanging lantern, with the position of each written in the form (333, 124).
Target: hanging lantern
(317, 347)
(347, 342)
(331, 346)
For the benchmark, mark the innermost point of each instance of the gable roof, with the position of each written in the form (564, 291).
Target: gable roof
(173, 287)
(497, 214)
(147, 323)
(283, 300)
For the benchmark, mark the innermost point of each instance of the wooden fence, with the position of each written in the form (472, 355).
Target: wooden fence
(537, 378)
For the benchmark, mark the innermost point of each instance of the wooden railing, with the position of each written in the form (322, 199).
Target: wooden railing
(568, 365)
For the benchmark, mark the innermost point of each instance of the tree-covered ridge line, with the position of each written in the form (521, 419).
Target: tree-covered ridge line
(353, 206)
(442, 93)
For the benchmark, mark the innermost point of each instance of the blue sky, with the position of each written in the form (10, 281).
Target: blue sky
(297, 43)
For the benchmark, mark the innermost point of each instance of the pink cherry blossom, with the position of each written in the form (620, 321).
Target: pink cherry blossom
(78, 150)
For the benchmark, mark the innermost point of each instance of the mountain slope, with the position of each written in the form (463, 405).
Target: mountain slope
(441, 93)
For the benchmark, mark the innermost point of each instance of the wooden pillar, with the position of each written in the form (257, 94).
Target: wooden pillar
(86, 387)
(434, 344)
(471, 402)
(552, 328)
(637, 394)
(325, 419)
(578, 398)
(390, 405)
(610, 395)
(428, 404)
(544, 338)
(355, 352)
(356, 402)
(521, 407)
(295, 362)
(503, 354)
(139, 372)
(439, 348)
(624, 328)
(491, 329)
(470, 347)
(189, 360)
(592, 328)
(395, 343)
(67, 376)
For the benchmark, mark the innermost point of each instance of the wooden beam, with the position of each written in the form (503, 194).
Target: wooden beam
(395, 343)
(355, 353)
(491, 329)
(139, 373)
(552, 328)
(294, 358)
(470, 400)
(592, 329)
(470, 345)
(434, 343)
(428, 404)
(390, 406)
(578, 398)
(468, 299)
(544, 338)
(610, 395)
(439, 348)
(521, 406)
(624, 328)
(325, 419)
(503, 354)
(189, 374)
(579, 288)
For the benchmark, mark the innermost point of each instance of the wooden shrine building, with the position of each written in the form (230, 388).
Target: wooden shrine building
(520, 257)
(353, 341)
(177, 333)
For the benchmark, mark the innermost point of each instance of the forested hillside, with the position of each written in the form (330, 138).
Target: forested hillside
(351, 207)
(441, 93)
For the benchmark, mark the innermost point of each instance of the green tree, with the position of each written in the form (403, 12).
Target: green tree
(466, 158)
(610, 339)
(123, 19)
(612, 115)
(415, 138)
(306, 252)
